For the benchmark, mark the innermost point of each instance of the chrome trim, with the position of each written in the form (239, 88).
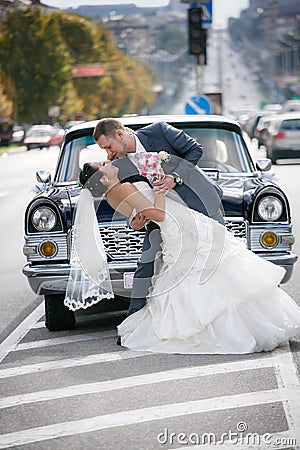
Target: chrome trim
(46, 278)
(281, 230)
(36, 239)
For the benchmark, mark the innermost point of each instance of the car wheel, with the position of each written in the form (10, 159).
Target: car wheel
(58, 316)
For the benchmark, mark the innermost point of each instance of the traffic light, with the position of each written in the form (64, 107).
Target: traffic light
(197, 34)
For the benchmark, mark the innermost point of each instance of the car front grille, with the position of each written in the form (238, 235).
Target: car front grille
(237, 226)
(120, 241)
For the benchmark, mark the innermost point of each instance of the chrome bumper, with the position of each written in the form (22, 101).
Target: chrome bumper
(285, 260)
(52, 279)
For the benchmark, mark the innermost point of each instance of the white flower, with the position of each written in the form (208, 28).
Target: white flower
(164, 156)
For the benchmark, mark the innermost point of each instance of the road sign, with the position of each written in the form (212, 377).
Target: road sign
(198, 104)
(207, 13)
(206, 6)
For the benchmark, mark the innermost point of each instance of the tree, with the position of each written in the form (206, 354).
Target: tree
(34, 66)
(38, 53)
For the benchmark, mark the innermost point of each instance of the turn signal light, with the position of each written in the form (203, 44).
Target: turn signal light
(48, 249)
(269, 239)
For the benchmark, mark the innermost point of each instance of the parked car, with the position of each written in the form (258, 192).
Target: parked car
(18, 133)
(283, 138)
(261, 129)
(252, 122)
(256, 209)
(291, 105)
(43, 136)
(273, 108)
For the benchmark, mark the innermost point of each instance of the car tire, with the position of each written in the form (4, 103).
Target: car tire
(58, 316)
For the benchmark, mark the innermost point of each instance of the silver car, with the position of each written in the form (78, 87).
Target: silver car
(283, 139)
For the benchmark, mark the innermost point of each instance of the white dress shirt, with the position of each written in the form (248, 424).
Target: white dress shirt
(139, 149)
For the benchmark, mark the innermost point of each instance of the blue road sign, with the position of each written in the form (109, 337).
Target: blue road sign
(207, 13)
(198, 104)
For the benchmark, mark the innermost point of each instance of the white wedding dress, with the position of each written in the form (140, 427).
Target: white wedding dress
(212, 295)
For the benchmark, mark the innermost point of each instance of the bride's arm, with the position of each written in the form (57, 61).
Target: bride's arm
(127, 194)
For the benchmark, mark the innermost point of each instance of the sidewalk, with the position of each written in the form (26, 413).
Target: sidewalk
(4, 151)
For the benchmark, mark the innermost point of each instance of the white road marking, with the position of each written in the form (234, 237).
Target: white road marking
(10, 343)
(288, 391)
(72, 362)
(287, 379)
(65, 340)
(133, 381)
(142, 415)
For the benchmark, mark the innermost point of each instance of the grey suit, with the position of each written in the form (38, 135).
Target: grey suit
(198, 191)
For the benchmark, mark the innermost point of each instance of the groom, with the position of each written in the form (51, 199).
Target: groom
(196, 189)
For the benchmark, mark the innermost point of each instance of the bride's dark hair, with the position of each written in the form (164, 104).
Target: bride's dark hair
(89, 178)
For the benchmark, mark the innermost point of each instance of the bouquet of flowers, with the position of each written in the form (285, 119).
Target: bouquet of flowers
(149, 164)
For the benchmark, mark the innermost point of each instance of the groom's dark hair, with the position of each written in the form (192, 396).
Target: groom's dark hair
(107, 127)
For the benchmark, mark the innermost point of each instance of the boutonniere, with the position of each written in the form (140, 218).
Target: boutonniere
(164, 156)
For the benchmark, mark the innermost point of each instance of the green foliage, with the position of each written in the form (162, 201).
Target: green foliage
(33, 63)
(38, 53)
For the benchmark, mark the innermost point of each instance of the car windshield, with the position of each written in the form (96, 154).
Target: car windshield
(223, 150)
(37, 132)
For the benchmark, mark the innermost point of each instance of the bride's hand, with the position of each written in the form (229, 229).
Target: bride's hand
(138, 221)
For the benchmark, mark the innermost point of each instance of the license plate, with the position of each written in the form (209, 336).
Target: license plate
(128, 280)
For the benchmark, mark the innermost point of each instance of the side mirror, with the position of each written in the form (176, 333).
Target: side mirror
(43, 176)
(263, 164)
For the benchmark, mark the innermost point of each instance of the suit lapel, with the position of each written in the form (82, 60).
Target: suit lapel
(147, 143)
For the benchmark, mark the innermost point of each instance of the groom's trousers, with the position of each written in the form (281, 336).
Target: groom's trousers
(150, 261)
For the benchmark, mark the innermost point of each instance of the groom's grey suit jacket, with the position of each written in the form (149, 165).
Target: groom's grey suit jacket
(198, 191)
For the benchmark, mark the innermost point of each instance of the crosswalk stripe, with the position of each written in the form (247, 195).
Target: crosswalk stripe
(138, 380)
(17, 335)
(65, 340)
(72, 362)
(116, 356)
(287, 378)
(142, 415)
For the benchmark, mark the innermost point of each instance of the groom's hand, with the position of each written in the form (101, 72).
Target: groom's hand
(164, 184)
(138, 221)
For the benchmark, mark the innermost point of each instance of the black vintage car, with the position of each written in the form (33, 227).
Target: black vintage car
(256, 209)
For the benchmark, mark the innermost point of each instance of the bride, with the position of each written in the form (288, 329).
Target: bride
(210, 295)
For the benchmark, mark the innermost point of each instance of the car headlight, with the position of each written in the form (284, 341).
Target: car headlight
(43, 219)
(270, 208)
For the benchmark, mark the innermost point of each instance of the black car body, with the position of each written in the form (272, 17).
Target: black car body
(256, 209)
